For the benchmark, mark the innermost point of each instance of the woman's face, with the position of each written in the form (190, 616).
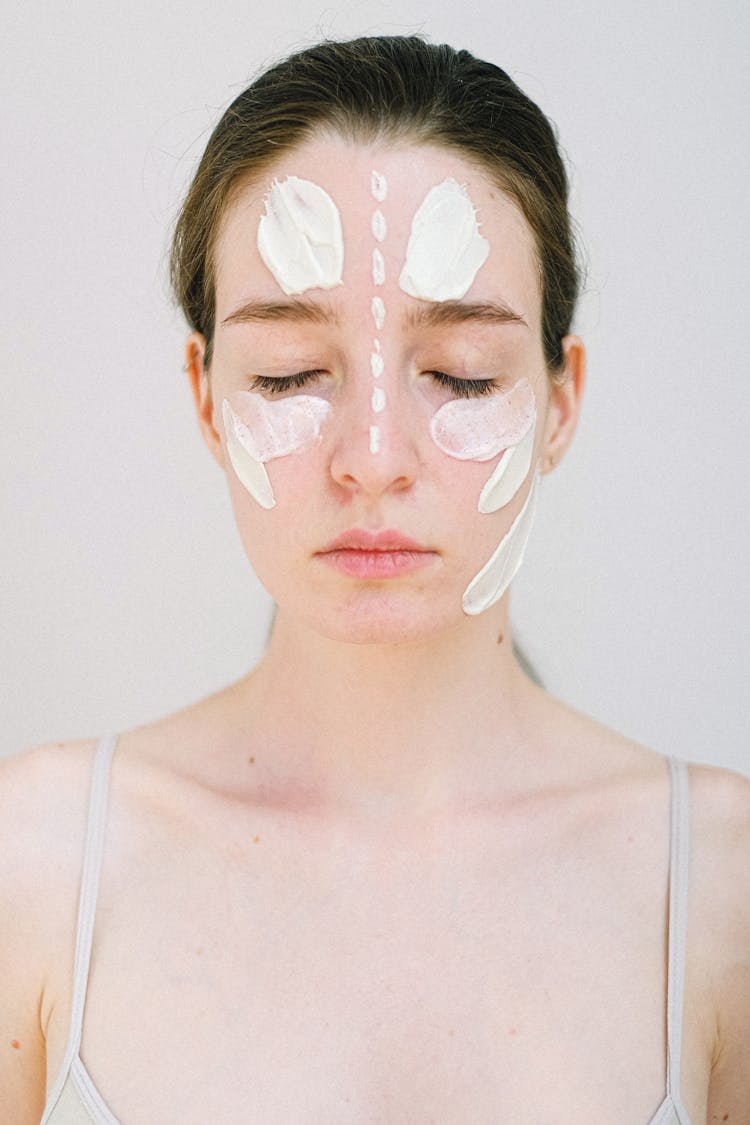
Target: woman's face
(377, 354)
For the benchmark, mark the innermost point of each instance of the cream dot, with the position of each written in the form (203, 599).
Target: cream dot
(379, 228)
(378, 312)
(378, 267)
(378, 186)
(377, 366)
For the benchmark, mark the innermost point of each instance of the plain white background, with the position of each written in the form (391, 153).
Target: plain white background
(124, 591)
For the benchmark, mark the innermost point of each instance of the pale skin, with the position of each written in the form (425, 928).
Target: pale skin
(384, 877)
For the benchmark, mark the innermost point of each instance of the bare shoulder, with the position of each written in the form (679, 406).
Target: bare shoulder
(43, 810)
(40, 789)
(720, 814)
(43, 799)
(720, 893)
(43, 802)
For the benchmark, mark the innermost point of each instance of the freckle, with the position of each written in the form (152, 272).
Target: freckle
(256, 839)
(199, 951)
(500, 638)
(15, 1045)
(251, 760)
(725, 1117)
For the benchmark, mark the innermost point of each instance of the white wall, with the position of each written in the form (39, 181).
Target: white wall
(124, 593)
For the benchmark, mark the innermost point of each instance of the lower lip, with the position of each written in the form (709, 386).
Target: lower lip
(377, 564)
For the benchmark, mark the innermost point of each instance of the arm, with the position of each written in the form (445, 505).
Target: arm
(22, 1053)
(42, 813)
(726, 876)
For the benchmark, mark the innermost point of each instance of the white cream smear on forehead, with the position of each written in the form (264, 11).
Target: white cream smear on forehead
(299, 236)
(258, 430)
(445, 249)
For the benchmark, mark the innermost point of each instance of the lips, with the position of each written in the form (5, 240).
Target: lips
(358, 539)
(375, 554)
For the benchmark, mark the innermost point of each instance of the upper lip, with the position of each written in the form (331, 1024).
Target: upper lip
(359, 539)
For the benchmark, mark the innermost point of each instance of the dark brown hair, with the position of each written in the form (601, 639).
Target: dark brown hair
(385, 88)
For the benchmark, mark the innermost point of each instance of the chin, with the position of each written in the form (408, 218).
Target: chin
(377, 618)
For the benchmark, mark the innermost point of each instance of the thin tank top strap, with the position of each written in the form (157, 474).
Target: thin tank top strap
(87, 899)
(678, 900)
(92, 863)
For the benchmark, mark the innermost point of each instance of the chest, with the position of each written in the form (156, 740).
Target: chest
(401, 984)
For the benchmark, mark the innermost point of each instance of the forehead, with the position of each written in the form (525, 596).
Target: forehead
(344, 169)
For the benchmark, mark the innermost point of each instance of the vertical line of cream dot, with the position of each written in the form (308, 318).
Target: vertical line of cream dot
(379, 190)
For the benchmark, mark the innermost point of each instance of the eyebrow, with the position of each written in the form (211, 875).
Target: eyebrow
(427, 315)
(459, 312)
(295, 309)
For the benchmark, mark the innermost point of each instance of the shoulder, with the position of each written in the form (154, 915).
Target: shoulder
(40, 791)
(720, 817)
(720, 864)
(43, 804)
(720, 918)
(43, 810)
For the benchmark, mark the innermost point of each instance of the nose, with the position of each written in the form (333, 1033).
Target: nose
(375, 450)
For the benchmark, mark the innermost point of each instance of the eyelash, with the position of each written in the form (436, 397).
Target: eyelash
(282, 382)
(461, 388)
(464, 388)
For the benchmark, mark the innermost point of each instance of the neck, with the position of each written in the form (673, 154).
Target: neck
(398, 726)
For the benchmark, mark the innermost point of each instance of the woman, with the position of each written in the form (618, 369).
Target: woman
(384, 877)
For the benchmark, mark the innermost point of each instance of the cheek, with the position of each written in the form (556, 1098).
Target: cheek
(479, 429)
(258, 430)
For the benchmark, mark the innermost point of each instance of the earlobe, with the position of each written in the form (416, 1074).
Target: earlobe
(200, 385)
(564, 403)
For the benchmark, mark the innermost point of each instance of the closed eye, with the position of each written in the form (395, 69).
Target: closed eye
(279, 383)
(460, 388)
(464, 388)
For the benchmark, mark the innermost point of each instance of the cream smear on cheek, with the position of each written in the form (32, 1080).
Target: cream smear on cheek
(258, 430)
(300, 237)
(489, 585)
(477, 430)
(445, 249)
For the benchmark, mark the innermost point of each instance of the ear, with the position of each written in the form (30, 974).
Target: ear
(200, 385)
(564, 407)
